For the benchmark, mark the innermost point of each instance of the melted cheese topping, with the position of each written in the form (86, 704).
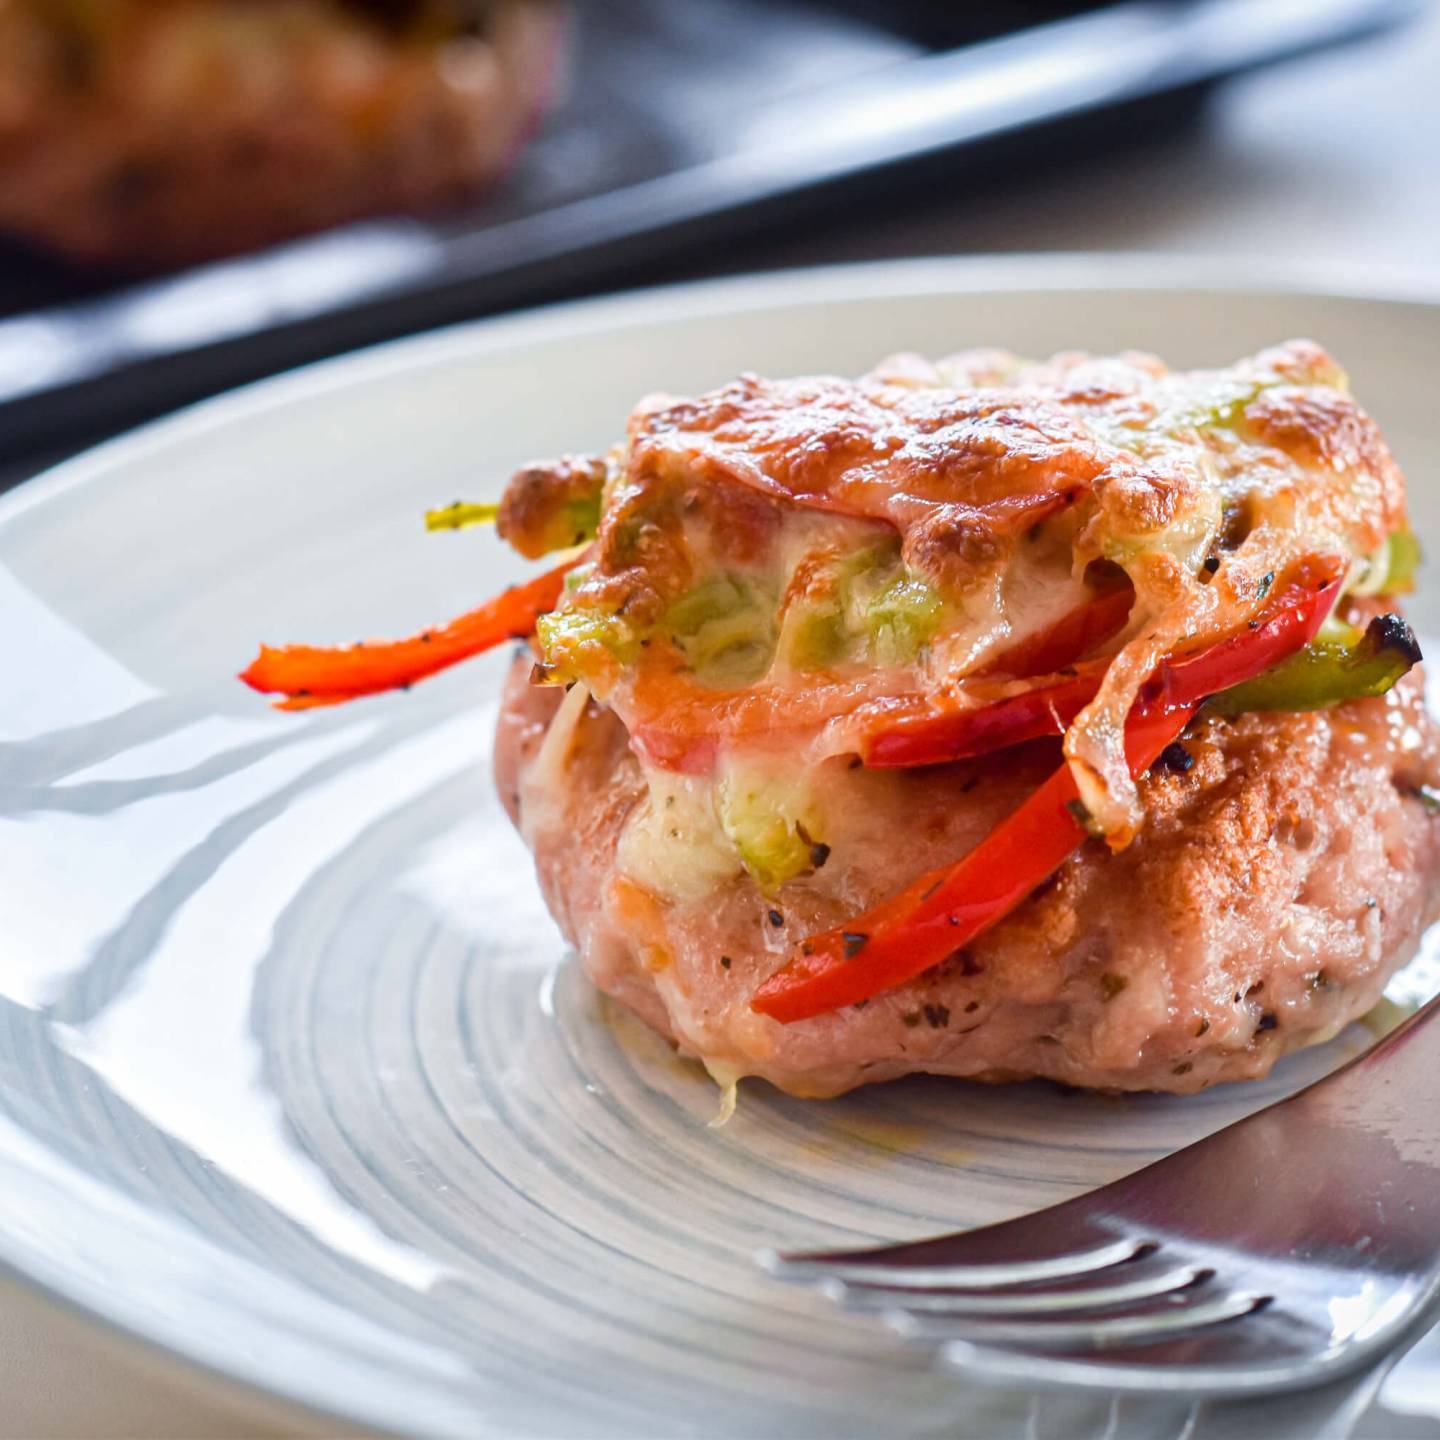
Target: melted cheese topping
(674, 844)
(776, 553)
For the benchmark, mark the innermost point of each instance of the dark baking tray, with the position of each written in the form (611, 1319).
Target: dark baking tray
(688, 123)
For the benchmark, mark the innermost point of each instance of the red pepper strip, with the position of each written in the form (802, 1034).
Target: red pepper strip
(955, 735)
(946, 909)
(949, 907)
(1072, 636)
(311, 675)
(1293, 617)
(1299, 608)
(1046, 710)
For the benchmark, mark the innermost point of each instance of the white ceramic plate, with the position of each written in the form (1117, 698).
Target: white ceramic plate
(296, 1078)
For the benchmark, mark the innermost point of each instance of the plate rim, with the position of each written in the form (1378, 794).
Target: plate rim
(1119, 271)
(1115, 272)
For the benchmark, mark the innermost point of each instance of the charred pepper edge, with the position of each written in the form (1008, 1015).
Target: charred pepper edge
(1327, 673)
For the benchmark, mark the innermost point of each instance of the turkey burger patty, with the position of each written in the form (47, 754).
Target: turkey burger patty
(982, 718)
(1285, 870)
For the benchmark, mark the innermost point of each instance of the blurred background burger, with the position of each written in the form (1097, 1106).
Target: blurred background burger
(150, 133)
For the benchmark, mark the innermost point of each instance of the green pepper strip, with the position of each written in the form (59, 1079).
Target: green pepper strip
(1327, 672)
(461, 515)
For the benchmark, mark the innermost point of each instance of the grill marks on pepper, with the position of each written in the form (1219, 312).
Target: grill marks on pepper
(1393, 633)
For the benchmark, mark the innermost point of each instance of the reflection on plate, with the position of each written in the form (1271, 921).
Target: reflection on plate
(296, 1077)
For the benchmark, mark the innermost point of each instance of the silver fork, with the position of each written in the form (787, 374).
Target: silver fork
(1288, 1249)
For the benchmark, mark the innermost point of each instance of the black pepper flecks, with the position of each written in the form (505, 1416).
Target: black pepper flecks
(1268, 1021)
(775, 917)
(1111, 985)
(910, 1019)
(855, 942)
(937, 1017)
(968, 964)
(726, 962)
(1176, 759)
(819, 854)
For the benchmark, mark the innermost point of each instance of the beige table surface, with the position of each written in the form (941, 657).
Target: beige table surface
(1333, 159)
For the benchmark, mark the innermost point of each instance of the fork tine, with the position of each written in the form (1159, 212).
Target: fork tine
(1165, 1322)
(886, 1266)
(1138, 1284)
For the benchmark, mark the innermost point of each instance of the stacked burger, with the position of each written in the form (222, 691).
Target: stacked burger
(982, 718)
